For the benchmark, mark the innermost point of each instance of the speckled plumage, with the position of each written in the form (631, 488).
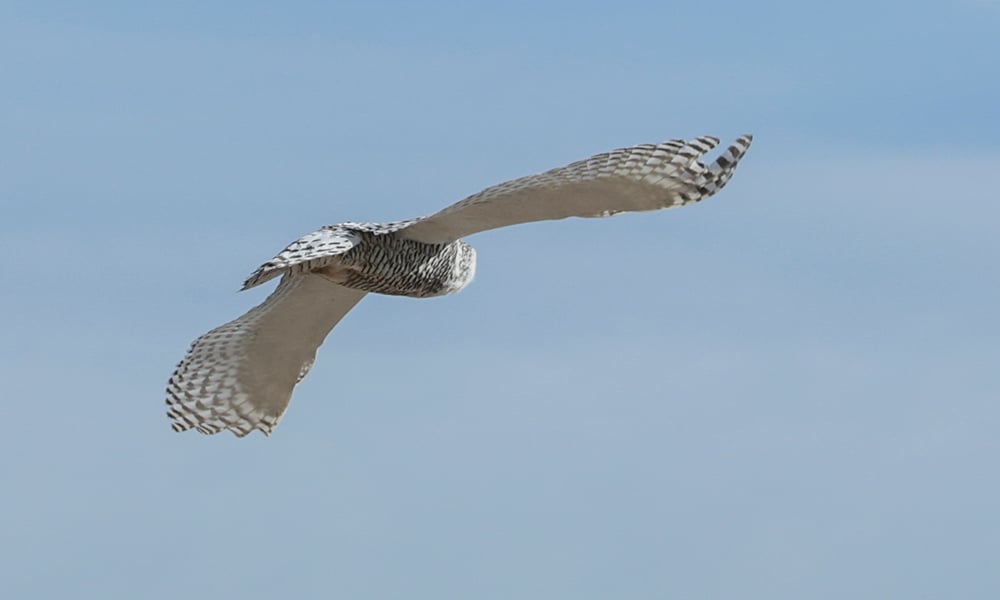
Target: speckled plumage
(240, 376)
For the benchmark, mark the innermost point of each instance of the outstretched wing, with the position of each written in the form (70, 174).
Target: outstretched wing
(646, 177)
(240, 376)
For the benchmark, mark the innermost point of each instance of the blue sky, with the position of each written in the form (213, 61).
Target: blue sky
(787, 392)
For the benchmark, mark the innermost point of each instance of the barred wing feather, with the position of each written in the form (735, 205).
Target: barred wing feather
(240, 376)
(640, 178)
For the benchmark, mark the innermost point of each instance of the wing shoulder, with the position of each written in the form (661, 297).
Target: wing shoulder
(311, 251)
(319, 249)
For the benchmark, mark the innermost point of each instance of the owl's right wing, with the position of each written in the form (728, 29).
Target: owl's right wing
(640, 178)
(240, 376)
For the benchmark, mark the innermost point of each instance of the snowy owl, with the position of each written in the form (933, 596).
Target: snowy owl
(240, 376)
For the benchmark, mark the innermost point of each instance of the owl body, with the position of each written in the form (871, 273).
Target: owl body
(390, 264)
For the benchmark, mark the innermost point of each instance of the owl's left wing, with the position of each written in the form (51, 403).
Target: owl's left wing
(240, 376)
(640, 178)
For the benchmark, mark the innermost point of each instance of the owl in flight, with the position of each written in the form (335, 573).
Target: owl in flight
(240, 376)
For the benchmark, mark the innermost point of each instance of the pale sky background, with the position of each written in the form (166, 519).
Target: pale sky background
(790, 391)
